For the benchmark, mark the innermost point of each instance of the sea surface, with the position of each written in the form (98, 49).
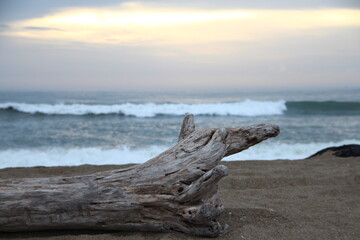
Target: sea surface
(74, 128)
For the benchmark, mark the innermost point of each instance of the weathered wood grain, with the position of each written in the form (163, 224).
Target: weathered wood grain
(175, 191)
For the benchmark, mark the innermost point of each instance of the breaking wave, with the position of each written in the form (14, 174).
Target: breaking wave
(244, 108)
(124, 155)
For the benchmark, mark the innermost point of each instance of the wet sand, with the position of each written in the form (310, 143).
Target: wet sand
(316, 198)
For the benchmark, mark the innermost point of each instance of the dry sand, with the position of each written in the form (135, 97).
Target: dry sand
(317, 198)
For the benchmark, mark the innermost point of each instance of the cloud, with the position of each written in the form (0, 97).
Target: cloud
(133, 24)
(4, 26)
(41, 28)
(134, 46)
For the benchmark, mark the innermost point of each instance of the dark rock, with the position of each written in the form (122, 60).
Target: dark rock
(351, 150)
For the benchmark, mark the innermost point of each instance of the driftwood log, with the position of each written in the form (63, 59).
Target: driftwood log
(175, 191)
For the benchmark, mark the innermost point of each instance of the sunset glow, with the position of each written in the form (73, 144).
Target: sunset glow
(115, 44)
(146, 26)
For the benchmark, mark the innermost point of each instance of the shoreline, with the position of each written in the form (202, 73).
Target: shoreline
(315, 198)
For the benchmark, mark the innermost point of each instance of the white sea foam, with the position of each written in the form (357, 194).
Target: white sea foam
(123, 155)
(244, 108)
(75, 156)
(275, 150)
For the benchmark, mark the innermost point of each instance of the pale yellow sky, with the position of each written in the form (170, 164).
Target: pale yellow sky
(133, 24)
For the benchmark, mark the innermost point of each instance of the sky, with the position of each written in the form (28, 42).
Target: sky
(178, 45)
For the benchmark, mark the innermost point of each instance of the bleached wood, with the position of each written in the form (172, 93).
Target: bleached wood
(175, 191)
(187, 127)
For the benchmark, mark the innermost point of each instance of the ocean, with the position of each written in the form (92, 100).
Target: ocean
(75, 128)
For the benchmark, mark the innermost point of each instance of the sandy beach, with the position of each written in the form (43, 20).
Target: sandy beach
(316, 198)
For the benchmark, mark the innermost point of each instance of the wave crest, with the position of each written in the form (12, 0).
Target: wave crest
(244, 108)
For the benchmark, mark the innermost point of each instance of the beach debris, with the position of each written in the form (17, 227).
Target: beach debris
(175, 191)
